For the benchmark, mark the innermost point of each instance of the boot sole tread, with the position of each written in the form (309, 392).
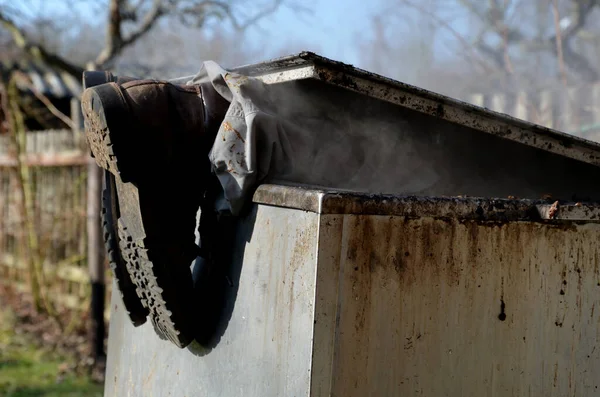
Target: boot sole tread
(166, 293)
(135, 308)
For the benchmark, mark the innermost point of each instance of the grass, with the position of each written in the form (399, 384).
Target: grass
(26, 370)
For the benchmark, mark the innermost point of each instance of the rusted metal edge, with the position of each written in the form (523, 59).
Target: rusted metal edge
(323, 201)
(46, 160)
(289, 197)
(307, 65)
(276, 65)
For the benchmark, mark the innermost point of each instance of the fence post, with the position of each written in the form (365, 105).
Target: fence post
(546, 112)
(595, 106)
(498, 103)
(95, 249)
(521, 106)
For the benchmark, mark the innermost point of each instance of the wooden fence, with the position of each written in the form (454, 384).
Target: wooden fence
(574, 110)
(57, 161)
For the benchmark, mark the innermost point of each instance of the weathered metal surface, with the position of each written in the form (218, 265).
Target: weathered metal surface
(352, 294)
(448, 308)
(264, 343)
(418, 297)
(327, 201)
(307, 65)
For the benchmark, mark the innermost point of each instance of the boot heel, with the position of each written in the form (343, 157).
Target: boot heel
(95, 78)
(112, 147)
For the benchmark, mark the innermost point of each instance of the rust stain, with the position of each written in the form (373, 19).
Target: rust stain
(151, 373)
(433, 243)
(360, 259)
(228, 127)
(149, 377)
(235, 80)
(437, 273)
(553, 210)
(488, 212)
(230, 168)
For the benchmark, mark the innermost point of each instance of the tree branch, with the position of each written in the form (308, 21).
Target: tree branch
(148, 22)
(264, 13)
(494, 54)
(561, 41)
(494, 19)
(36, 51)
(225, 8)
(115, 43)
(53, 109)
(467, 46)
(580, 14)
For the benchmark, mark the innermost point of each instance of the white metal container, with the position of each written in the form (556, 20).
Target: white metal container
(338, 294)
(332, 293)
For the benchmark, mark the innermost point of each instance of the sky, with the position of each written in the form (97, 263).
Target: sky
(333, 28)
(336, 26)
(330, 30)
(337, 29)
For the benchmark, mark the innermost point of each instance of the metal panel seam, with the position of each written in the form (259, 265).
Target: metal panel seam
(315, 290)
(340, 280)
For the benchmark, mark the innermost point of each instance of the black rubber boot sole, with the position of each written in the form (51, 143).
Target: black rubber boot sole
(157, 262)
(110, 214)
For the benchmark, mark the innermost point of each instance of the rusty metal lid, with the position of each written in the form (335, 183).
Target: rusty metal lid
(307, 65)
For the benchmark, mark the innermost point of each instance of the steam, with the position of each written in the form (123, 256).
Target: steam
(310, 133)
(306, 133)
(340, 141)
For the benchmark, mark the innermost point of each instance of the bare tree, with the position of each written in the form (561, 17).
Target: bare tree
(127, 21)
(511, 36)
(533, 59)
(416, 59)
(173, 50)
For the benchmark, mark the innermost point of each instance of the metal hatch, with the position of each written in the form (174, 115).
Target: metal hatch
(307, 65)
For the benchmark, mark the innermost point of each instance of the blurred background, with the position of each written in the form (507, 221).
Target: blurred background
(537, 60)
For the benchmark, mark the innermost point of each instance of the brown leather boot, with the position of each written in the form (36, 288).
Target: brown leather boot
(110, 209)
(154, 137)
